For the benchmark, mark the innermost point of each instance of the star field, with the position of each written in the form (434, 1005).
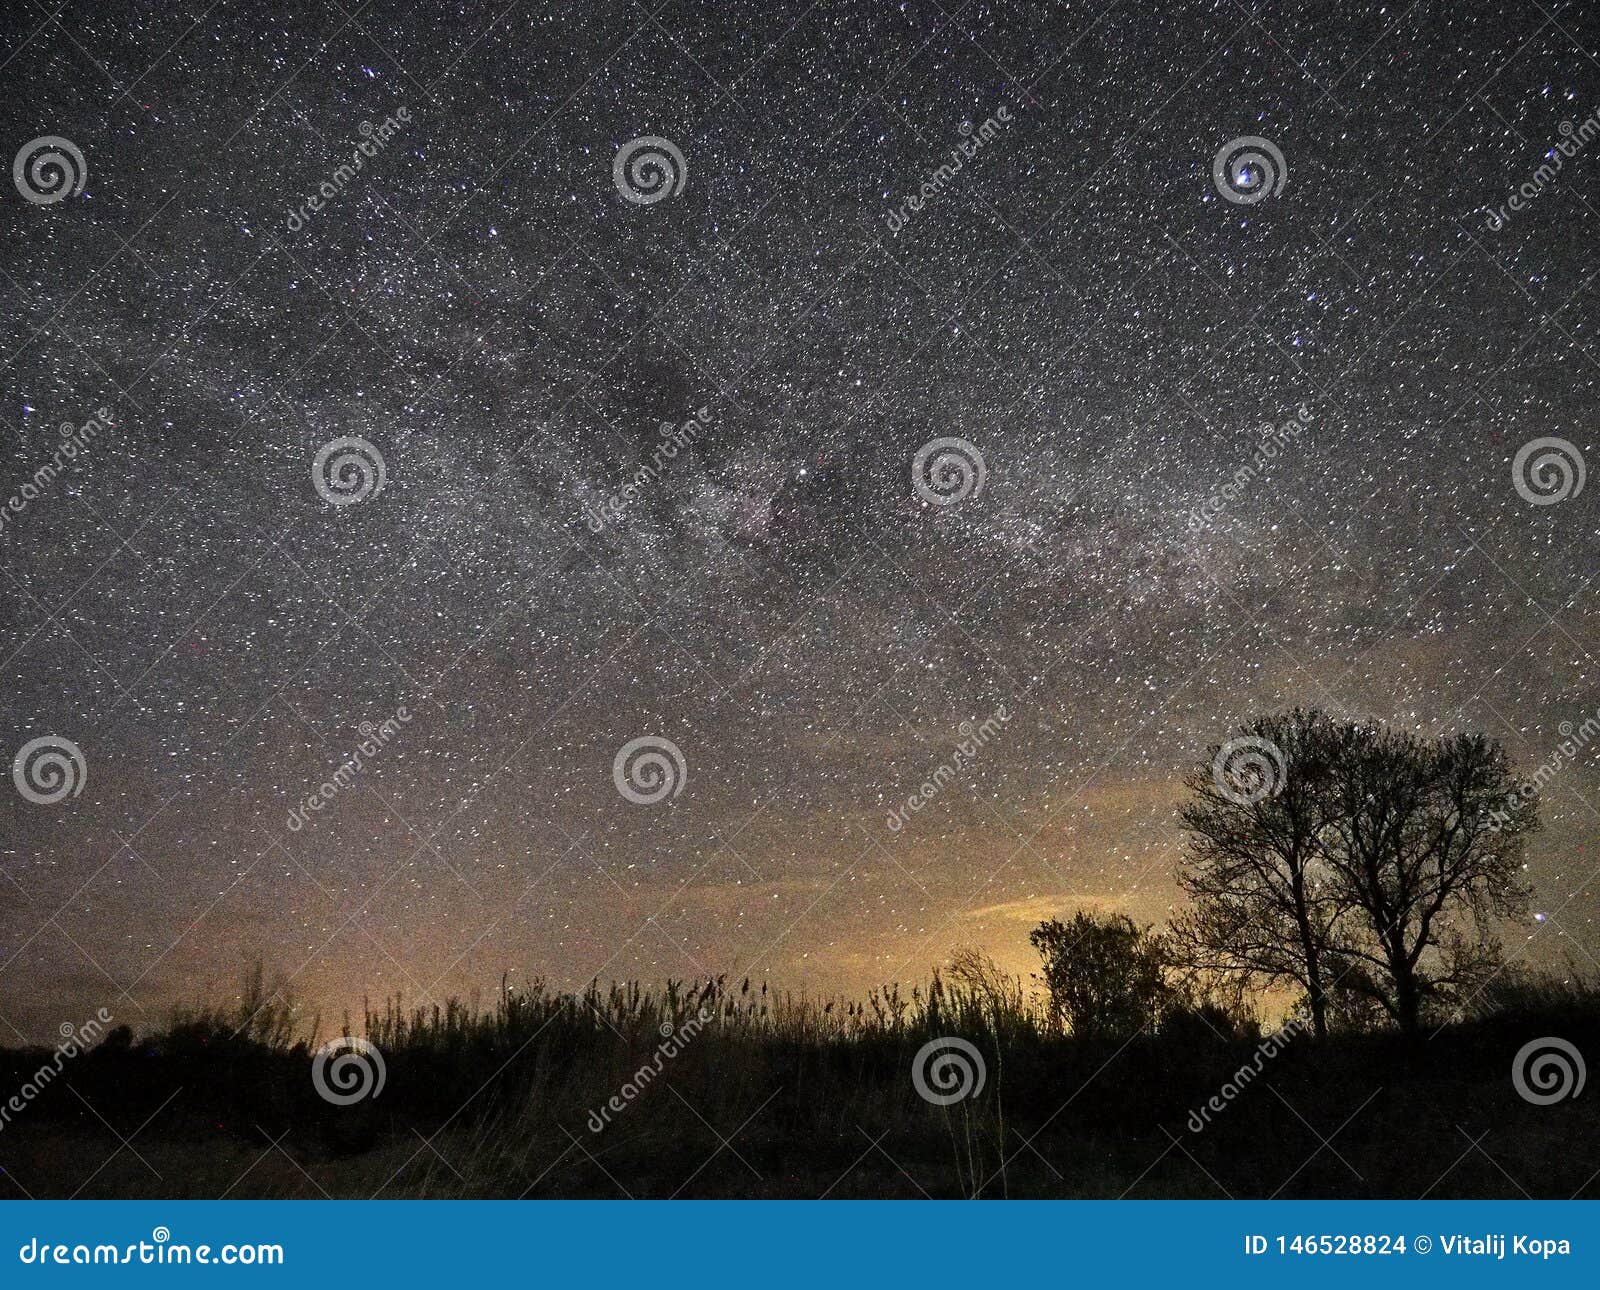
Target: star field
(482, 304)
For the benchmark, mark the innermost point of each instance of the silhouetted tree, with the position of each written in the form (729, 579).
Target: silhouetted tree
(1425, 850)
(1263, 909)
(1354, 861)
(1105, 976)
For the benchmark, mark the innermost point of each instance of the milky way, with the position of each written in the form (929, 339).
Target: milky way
(517, 324)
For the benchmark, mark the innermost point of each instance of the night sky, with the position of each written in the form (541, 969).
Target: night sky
(494, 315)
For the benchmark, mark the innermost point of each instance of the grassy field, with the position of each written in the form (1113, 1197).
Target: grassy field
(749, 1094)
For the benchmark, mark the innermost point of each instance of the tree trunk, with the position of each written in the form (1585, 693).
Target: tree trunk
(1319, 1002)
(1316, 994)
(1408, 1002)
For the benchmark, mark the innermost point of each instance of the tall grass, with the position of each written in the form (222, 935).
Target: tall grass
(740, 1089)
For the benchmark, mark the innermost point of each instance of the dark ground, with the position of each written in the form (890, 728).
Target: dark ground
(799, 1103)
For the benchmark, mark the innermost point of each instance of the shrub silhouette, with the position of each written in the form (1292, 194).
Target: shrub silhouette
(1105, 976)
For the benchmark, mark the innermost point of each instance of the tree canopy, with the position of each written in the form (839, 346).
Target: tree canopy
(1356, 862)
